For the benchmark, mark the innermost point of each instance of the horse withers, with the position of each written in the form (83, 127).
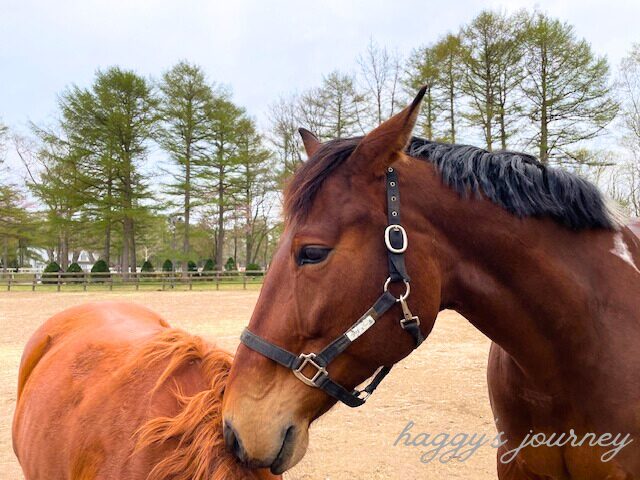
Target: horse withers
(530, 255)
(110, 391)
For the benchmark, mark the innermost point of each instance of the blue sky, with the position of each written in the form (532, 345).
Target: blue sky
(262, 49)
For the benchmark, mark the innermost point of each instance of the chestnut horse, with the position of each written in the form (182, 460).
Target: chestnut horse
(110, 391)
(530, 255)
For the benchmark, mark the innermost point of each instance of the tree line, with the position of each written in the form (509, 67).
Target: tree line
(523, 81)
(97, 189)
(503, 81)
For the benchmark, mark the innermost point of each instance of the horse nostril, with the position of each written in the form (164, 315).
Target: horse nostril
(232, 441)
(285, 451)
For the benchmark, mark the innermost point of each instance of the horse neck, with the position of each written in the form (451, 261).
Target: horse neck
(530, 284)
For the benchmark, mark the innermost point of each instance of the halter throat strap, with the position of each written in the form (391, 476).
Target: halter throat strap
(311, 368)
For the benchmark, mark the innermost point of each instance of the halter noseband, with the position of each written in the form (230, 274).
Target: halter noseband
(395, 239)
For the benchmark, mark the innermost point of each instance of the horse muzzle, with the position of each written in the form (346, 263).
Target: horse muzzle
(264, 427)
(284, 446)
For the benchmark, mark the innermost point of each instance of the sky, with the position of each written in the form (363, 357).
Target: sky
(261, 49)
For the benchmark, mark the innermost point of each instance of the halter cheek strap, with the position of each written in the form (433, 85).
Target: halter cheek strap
(396, 241)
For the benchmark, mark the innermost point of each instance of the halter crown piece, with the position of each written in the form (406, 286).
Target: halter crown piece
(396, 241)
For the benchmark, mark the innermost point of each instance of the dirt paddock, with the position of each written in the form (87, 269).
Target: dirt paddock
(441, 388)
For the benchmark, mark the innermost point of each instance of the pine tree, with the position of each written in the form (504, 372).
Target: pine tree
(125, 114)
(254, 182)
(423, 70)
(566, 86)
(102, 137)
(185, 103)
(13, 220)
(55, 178)
(447, 55)
(491, 53)
(219, 164)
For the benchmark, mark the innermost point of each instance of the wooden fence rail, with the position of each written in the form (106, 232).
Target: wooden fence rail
(160, 280)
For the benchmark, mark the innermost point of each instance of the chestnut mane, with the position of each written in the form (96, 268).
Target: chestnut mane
(200, 453)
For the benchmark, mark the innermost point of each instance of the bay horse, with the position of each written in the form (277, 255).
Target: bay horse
(110, 391)
(534, 257)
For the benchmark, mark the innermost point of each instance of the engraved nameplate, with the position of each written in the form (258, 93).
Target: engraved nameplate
(360, 327)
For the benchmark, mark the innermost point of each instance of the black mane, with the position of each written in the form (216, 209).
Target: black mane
(517, 182)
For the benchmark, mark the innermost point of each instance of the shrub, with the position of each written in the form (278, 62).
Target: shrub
(76, 269)
(100, 267)
(100, 271)
(167, 266)
(209, 266)
(52, 267)
(192, 267)
(254, 270)
(146, 270)
(147, 267)
(230, 265)
(50, 273)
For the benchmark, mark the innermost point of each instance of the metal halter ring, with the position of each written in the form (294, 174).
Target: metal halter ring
(387, 238)
(406, 293)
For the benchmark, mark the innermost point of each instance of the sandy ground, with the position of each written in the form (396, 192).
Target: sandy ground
(441, 388)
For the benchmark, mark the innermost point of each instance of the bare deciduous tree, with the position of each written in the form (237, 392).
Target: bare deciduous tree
(380, 75)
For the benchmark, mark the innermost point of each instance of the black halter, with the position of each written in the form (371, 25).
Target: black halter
(395, 239)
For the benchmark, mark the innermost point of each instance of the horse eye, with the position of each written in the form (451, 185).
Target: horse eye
(312, 254)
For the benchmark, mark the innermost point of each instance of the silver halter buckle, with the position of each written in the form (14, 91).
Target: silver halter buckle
(387, 238)
(308, 359)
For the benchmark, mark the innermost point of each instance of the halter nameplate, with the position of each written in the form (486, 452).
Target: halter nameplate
(360, 327)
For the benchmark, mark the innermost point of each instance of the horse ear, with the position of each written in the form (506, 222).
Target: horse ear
(381, 147)
(310, 141)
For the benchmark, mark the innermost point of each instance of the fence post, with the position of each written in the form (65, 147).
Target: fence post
(59, 280)
(138, 280)
(33, 284)
(110, 282)
(9, 283)
(84, 281)
(244, 280)
(217, 280)
(190, 275)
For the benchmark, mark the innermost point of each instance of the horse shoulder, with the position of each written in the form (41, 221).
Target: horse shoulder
(518, 407)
